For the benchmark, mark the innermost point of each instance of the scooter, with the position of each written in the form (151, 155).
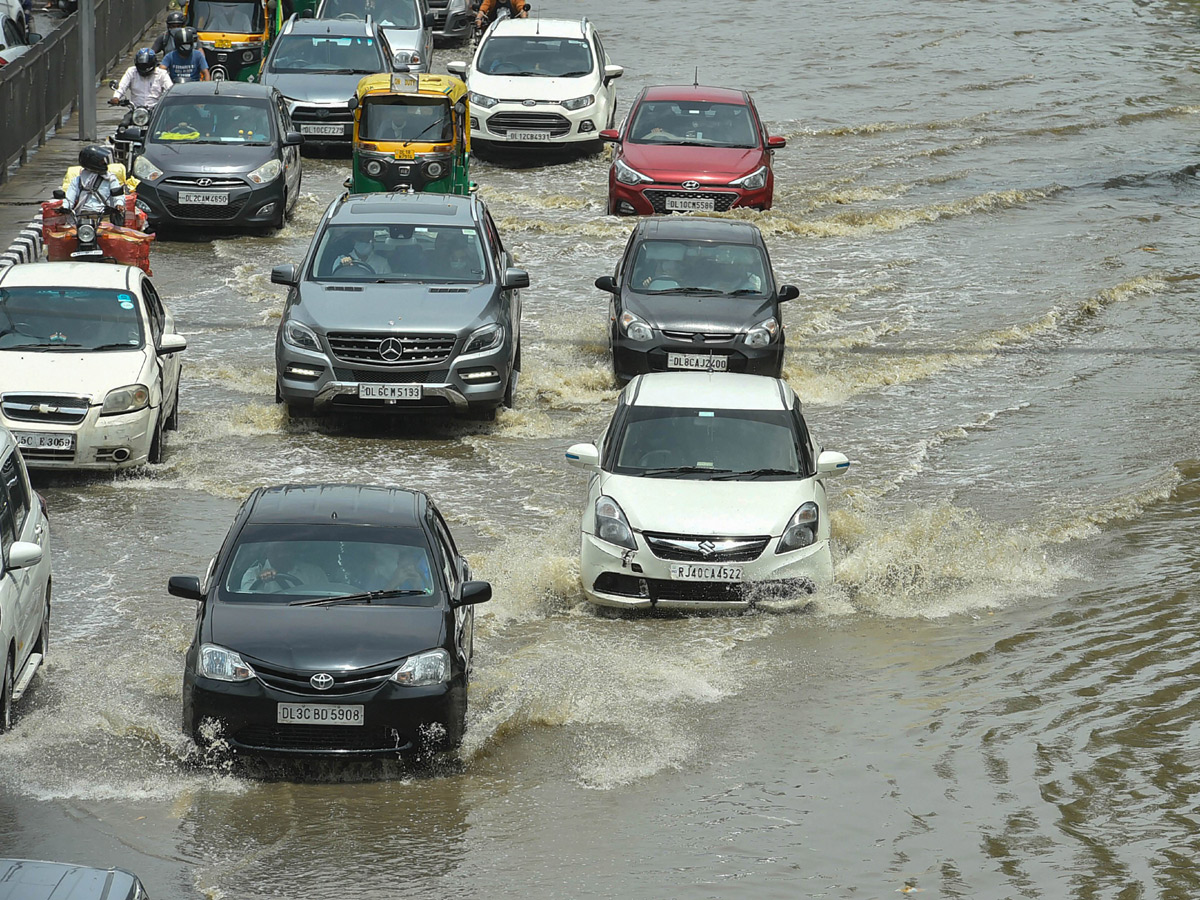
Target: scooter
(130, 135)
(503, 12)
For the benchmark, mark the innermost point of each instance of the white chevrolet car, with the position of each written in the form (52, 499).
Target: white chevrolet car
(89, 365)
(24, 579)
(537, 83)
(702, 484)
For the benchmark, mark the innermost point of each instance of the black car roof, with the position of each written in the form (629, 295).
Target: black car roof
(221, 88)
(345, 504)
(403, 208)
(688, 228)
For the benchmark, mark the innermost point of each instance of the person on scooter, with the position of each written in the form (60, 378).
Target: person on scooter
(144, 82)
(186, 62)
(95, 189)
(165, 43)
(488, 8)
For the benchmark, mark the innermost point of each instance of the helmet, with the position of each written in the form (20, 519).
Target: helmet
(94, 158)
(145, 61)
(185, 39)
(175, 20)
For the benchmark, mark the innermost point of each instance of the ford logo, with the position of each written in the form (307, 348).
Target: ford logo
(691, 185)
(321, 681)
(529, 103)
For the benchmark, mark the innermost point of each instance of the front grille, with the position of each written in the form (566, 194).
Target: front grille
(417, 349)
(57, 409)
(503, 123)
(322, 115)
(370, 376)
(205, 211)
(47, 455)
(319, 737)
(707, 338)
(204, 183)
(295, 681)
(700, 591)
(722, 200)
(690, 547)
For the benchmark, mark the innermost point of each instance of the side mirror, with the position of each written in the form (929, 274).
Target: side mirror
(458, 67)
(185, 586)
(59, 194)
(112, 84)
(788, 292)
(171, 343)
(293, 139)
(133, 134)
(23, 554)
(352, 103)
(611, 72)
(584, 456)
(607, 283)
(515, 278)
(34, 37)
(830, 462)
(610, 136)
(307, 13)
(285, 274)
(774, 142)
(473, 592)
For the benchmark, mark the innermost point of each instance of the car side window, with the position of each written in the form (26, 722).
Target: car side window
(8, 532)
(601, 59)
(449, 551)
(154, 309)
(625, 257)
(493, 237)
(18, 492)
(11, 35)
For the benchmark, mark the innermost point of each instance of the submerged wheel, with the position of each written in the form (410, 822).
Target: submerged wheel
(156, 445)
(43, 639)
(172, 423)
(6, 692)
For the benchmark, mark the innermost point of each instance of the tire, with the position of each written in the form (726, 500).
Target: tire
(42, 645)
(156, 445)
(6, 690)
(172, 423)
(510, 389)
(281, 219)
(300, 410)
(481, 413)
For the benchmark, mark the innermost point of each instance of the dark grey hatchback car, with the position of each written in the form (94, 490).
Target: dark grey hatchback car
(695, 294)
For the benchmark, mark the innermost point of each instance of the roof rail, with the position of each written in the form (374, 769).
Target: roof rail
(583, 23)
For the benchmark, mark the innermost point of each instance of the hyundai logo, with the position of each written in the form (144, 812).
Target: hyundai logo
(706, 548)
(203, 182)
(391, 349)
(691, 185)
(321, 681)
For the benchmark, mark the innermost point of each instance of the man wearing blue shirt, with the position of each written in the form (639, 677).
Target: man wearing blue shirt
(186, 62)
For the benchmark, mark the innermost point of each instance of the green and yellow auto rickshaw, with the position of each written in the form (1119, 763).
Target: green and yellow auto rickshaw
(411, 132)
(234, 34)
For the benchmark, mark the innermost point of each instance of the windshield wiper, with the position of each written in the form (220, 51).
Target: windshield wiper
(424, 131)
(687, 290)
(570, 74)
(125, 346)
(668, 471)
(750, 474)
(40, 347)
(741, 292)
(364, 597)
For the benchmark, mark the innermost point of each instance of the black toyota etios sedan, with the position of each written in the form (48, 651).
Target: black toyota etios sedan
(335, 620)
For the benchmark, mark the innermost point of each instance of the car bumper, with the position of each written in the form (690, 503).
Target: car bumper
(657, 199)
(248, 205)
(492, 128)
(611, 577)
(631, 359)
(451, 25)
(100, 441)
(244, 715)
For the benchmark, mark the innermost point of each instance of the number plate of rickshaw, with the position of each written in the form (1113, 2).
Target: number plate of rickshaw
(318, 714)
(404, 153)
(222, 43)
(203, 199)
(35, 440)
(308, 128)
(705, 572)
(529, 135)
(389, 391)
(699, 361)
(691, 204)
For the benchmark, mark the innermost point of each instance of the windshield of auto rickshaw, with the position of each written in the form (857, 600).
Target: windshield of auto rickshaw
(389, 13)
(228, 16)
(391, 118)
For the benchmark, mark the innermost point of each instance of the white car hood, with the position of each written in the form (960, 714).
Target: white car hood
(507, 87)
(61, 372)
(717, 508)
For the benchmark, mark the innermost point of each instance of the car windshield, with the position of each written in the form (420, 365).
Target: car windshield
(693, 122)
(212, 120)
(394, 119)
(678, 267)
(286, 563)
(326, 54)
(69, 318)
(534, 55)
(671, 442)
(244, 17)
(379, 253)
(389, 13)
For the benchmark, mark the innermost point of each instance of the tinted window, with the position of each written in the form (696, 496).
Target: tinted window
(368, 253)
(692, 122)
(328, 55)
(68, 319)
(389, 13)
(672, 267)
(18, 495)
(213, 120)
(406, 120)
(228, 18)
(533, 55)
(7, 530)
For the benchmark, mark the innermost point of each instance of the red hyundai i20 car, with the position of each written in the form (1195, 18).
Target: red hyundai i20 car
(691, 149)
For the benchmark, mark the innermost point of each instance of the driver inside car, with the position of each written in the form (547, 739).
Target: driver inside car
(282, 569)
(365, 249)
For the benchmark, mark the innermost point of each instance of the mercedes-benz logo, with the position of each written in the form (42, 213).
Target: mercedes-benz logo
(706, 548)
(321, 681)
(691, 185)
(391, 349)
(203, 182)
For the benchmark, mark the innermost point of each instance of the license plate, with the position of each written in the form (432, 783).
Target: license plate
(33, 440)
(704, 572)
(203, 199)
(318, 714)
(305, 128)
(529, 135)
(389, 391)
(698, 361)
(690, 204)
(404, 153)
(75, 253)
(222, 44)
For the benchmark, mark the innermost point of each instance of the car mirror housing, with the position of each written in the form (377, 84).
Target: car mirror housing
(607, 283)
(610, 136)
(23, 554)
(515, 278)
(775, 142)
(352, 103)
(830, 462)
(185, 586)
(611, 72)
(457, 67)
(584, 456)
(285, 274)
(473, 592)
(788, 292)
(172, 343)
(293, 139)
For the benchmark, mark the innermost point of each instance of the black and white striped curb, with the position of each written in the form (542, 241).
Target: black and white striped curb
(27, 247)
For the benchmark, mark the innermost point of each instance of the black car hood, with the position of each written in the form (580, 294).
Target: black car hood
(346, 636)
(183, 158)
(700, 312)
(396, 306)
(314, 87)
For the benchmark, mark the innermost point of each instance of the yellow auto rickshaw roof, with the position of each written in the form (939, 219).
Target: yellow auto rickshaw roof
(399, 83)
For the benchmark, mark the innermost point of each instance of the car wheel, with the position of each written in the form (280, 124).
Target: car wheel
(299, 410)
(281, 219)
(6, 701)
(156, 445)
(43, 639)
(481, 413)
(172, 423)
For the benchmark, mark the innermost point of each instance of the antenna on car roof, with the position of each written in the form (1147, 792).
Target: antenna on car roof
(696, 78)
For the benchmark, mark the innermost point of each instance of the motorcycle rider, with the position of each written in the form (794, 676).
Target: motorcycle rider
(95, 189)
(186, 62)
(489, 7)
(144, 82)
(165, 43)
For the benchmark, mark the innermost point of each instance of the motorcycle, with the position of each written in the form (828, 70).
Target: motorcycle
(130, 134)
(86, 236)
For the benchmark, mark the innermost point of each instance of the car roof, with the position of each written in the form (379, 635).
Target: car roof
(221, 88)
(347, 504)
(715, 390)
(542, 27)
(342, 27)
(695, 92)
(27, 879)
(70, 274)
(699, 228)
(402, 208)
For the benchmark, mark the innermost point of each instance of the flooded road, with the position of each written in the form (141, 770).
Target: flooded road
(990, 213)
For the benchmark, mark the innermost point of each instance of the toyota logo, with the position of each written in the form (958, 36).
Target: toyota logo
(203, 182)
(321, 681)
(391, 349)
(691, 185)
(706, 548)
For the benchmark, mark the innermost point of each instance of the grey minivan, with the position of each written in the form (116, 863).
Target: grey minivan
(404, 303)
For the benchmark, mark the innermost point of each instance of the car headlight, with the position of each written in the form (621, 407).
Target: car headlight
(489, 337)
(300, 335)
(753, 181)
(579, 102)
(373, 167)
(626, 175)
(140, 117)
(801, 529)
(430, 667)
(435, 169)
(223, 665)
(611, 524)
(146, 170)
(267, 172)
(635, 329)
(763, 333)
(480, 100)
(126, 399)
(407, 58)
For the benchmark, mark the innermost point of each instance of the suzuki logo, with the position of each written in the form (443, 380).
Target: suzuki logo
(691, 185)
(706, 548)
(322, 113)
(321, 681)
(203, 182)
(391, 349)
